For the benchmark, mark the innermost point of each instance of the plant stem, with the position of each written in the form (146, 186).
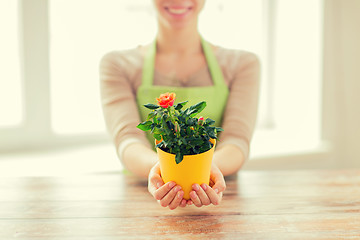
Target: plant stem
(172, 119)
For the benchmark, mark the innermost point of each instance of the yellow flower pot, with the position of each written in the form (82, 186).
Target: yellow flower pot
(192, 169)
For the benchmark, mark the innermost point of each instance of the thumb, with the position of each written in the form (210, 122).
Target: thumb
(219, 187)
(155, 181)
(219, 181)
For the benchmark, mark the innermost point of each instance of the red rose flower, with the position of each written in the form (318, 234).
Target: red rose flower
(166, 100)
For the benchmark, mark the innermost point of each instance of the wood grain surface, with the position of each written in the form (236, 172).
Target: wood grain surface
(256, 205)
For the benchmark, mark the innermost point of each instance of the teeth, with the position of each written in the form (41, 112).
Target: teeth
(177, 11)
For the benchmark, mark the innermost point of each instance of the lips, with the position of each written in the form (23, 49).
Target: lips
(178, 11)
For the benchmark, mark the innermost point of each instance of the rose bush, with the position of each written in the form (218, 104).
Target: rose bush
(179, 131)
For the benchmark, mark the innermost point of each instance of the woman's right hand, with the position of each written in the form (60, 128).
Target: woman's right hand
(168, 194)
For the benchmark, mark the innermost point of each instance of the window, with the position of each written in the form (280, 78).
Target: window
(226, 23)
(10, 84)
(77, 45)
(295, 79)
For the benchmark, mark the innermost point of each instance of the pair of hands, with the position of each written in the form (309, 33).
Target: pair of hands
(170, 194)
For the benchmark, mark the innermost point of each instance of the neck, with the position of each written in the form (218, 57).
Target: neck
(182, 42)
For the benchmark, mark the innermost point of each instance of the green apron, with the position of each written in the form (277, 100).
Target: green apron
(215, 95)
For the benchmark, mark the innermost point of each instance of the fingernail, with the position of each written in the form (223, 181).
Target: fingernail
(158, 185)
(204, 186)
(177, 188)
(180, 194)
(216, 190)
(196, 187)
(171, 184)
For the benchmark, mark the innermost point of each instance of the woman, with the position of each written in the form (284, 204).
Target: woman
(180, 59)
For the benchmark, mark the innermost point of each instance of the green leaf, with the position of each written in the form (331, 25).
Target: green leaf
(219, 129)
(191, 122)
(170, 125)
(157, 137)
(145, 126)
(197, 142)
(163, 119)
(181, 119)
(196, 150)
(212, 135)
(209, 121)
(206, 137)
(204, 148)
(180, 105)
(178, 157)
(151, 115)
(156, 130)
(211, 131)
(151, 106)
(197, 108)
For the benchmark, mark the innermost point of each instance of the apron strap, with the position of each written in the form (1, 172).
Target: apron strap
(213, 65)
(149, 65)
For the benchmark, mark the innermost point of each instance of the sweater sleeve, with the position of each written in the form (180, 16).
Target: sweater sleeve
(118, 99)
(241, 111)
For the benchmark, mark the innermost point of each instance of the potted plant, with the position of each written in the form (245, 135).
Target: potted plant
(185, 144)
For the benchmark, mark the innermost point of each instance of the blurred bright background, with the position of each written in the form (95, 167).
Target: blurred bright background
(51, 121)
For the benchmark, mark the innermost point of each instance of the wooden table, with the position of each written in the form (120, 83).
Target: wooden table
(256, 205)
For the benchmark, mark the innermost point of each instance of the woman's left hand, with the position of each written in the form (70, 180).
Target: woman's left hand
(205, 194)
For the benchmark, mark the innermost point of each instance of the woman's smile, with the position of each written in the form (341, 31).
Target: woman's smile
(178, 11)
